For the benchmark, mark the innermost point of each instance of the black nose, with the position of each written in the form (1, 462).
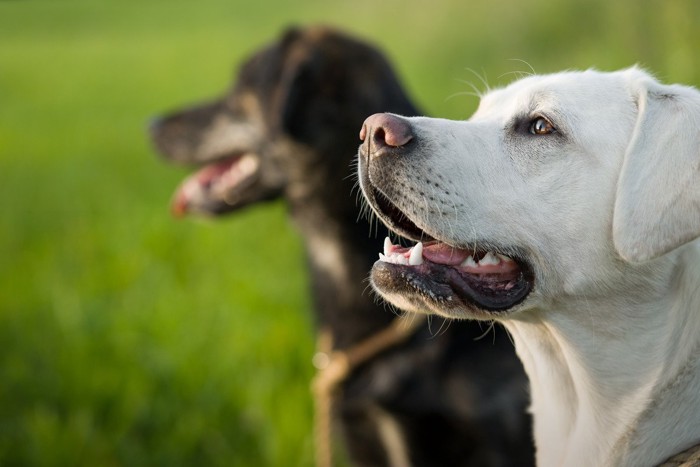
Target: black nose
(154, 125)
(386, 130)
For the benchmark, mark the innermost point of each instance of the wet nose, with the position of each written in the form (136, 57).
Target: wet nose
(386, 130)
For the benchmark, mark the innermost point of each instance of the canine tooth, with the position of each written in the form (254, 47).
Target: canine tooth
(488, 259)
(469, 262)
(248, 164)
(416, 257)
(387, 246)
(504, 258)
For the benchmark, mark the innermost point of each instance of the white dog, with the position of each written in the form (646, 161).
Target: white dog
(566, 208)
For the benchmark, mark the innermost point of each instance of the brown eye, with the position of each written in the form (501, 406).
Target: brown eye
(541, 126)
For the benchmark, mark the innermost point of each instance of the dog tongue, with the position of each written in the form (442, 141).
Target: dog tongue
(211, 184)
(444, 254)
(197, 186)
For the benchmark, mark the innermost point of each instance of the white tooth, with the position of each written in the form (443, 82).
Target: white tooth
(248, 164)
(387, 246)
(505, 259)
(401, 259)
(469, 262)
(383, 258)
(488, 259)
(416, 257)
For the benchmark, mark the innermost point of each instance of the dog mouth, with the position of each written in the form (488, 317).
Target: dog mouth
(217, 187)
(447, 279)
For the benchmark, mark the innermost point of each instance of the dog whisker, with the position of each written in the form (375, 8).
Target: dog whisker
(490, 329)
(476, 91)
(444, 326)
(482, 78)
(532, 69)
(462, 93)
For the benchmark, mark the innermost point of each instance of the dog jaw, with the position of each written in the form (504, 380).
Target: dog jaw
(451, 282)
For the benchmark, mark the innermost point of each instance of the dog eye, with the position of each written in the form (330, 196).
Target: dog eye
(541, 126)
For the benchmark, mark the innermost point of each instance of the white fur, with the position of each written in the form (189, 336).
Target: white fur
(607, 211)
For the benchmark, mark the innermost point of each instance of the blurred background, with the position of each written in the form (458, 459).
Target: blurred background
(129, 338)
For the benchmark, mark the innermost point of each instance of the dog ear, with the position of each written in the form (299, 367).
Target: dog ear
(330, 83)
(657, 207)
(311, 91)
(300, 108)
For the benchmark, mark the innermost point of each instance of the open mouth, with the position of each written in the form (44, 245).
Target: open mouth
(435, 275)
(217, 187)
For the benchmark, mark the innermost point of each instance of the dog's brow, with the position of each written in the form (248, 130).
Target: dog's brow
(546, 104)
(540, 101)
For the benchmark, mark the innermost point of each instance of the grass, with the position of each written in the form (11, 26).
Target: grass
(129, 338)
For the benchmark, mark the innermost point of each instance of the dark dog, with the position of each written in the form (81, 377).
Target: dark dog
(289, 128)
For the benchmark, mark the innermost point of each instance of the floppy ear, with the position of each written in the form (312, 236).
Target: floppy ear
(657, 207)
(331, 83)
(310, 92)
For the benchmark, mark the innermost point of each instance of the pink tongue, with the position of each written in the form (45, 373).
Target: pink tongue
(444, 254)
(198, 184)
(211, 172)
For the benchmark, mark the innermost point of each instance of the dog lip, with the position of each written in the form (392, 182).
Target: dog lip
(446, 276)
(446, 288)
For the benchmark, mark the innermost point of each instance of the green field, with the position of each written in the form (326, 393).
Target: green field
(128, 338)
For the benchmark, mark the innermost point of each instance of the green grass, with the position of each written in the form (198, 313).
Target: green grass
(128, 338)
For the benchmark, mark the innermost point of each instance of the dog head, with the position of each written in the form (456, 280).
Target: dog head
(294, 108)
(558, 185)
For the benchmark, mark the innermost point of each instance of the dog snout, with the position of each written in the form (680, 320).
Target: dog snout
(384, 130)
(154, 125)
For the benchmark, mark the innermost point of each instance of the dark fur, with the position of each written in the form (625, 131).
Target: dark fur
(459, 400)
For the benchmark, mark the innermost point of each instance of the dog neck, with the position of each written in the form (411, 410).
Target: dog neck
(606, 384)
